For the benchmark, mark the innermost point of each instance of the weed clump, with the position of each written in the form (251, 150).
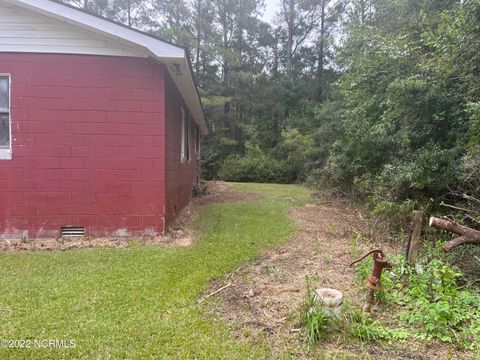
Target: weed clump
(317, 321)
(432, 301)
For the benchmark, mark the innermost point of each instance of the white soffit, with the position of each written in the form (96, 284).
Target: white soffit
(163, 51)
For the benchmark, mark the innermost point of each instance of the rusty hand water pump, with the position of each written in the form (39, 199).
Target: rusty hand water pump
(373, 282)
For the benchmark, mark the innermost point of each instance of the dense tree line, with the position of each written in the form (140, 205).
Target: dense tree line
(380, 97)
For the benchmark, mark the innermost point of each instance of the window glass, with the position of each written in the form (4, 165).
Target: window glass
(4, 93)
(187, 139)
(4, 130)
(182, 156)
(197, 138)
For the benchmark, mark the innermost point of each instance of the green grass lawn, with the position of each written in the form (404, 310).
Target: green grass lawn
(140, 302)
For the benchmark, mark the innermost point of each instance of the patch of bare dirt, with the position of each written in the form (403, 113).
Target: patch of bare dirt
(61, 244)
(264, 297)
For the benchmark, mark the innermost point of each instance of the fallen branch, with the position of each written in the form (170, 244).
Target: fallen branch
(471, 198)
(465, 196)
(473, 219)
(459, 208)
(215, 292)
(467, 235)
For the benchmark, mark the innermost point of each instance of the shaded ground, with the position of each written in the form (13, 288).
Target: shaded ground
(179, 232)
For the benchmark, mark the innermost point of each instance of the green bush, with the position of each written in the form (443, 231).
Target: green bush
(255, 168)
(432, 302)
(395, 214)
(298, 150)
(437, 304)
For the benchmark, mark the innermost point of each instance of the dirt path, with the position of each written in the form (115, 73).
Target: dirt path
(266, 295)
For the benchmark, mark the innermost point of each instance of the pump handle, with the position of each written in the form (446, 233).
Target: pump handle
(374, 251)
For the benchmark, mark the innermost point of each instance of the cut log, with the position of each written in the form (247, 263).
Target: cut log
(461, 240)
(467, 235)
(448, 225)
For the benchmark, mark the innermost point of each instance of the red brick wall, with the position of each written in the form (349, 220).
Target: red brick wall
(180, 177)
(88, 146)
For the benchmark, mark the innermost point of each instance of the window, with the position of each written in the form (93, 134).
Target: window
(185, 153)
(5, 131)
(197, 141)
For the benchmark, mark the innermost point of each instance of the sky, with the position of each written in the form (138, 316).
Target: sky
(271, 7)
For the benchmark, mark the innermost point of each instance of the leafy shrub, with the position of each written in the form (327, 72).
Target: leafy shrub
(255, 167)
(436, 302)
(427, 172)
(436, 305)
(395, 214)
(298, 150)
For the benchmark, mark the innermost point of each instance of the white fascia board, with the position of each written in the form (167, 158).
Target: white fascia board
(183, 80)
(64, 13)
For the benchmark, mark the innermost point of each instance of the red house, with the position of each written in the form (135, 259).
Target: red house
(100, 125)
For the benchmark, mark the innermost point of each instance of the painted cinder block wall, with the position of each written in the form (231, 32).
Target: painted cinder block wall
(88, 146)
(179, 176)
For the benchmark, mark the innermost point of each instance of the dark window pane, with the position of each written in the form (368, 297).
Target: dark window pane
(4, 130)
(4, 93)
(197, 138)
(187, 139)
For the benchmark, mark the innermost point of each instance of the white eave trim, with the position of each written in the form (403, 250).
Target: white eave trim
(80, 18)
(159, 50)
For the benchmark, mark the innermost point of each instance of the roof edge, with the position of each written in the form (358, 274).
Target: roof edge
(160, 49)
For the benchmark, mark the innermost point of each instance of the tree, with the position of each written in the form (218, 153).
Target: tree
(376, 96)
(129, 12)
(330, 12)
(98, 7)
(297, 21)
(173, 21)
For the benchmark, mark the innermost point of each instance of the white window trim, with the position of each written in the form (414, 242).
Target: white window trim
(6, 153)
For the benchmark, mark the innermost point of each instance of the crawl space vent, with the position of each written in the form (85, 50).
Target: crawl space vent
(73, 231)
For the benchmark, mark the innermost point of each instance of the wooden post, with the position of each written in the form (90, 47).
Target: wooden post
(415, 239)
